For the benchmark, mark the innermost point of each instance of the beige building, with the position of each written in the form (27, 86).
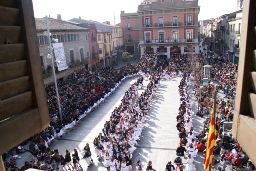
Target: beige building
(104, 40)
(74, 38)
(117, 37)
(233, 38)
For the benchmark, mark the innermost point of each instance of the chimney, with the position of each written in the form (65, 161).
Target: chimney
(79, 18)
(107, 22)
(59, 17)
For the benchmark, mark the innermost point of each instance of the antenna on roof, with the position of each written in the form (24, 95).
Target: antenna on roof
(114, 17)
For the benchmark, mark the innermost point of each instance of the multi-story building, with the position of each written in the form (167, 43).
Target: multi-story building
(131, 25)
(233, 38)
(104, 39)
(117, 37)
(74, 38)
(163, 26)
(93, 45)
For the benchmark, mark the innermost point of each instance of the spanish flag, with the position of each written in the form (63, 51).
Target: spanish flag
(211, 140)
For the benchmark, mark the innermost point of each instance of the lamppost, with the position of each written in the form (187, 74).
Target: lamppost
(51, 56)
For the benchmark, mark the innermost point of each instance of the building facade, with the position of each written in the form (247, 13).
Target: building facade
(117, 37)
(222, 35)
(164, 26)
(103, 39)
(75, 41)
(234, 36)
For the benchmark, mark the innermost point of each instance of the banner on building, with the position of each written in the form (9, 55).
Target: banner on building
(60, 56)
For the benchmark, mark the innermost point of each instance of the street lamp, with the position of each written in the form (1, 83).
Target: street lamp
(51, 56)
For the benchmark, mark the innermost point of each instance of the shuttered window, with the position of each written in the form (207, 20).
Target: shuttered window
(23, 107)
(244, 125)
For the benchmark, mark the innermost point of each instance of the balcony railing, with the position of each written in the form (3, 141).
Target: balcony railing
(170, 41)
(147, 24)
(129, 41)
(171, 24)
(237, 32)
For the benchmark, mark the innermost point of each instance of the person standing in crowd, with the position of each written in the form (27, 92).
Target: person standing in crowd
(87, 155)
(169, 166)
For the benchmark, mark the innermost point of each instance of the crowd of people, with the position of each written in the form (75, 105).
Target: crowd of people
(81, 91)
(121, 133)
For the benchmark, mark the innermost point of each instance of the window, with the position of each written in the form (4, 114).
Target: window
(87, 54)
(129, 25)
(86, 36)
(69, 37)
(41, 40)
(234, 26)
(239, 28)
(185, 49)
(58, 37)
(62, 38)
(129, 37)
(72, 57)
(65, 38)
(160, 20)
(189, 19)
(82, 55)
(99, 37)
(175, 20)
(189, 35)
(147, 36)
(100, 51)
(161, 37)
(147, 22)
(175, 35)
(46, 40)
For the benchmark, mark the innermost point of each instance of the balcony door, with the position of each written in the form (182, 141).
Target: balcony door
(175, 35)
(189, 35)
(147, 35)
(161, 36)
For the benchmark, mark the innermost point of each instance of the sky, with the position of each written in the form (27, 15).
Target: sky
(105, 10)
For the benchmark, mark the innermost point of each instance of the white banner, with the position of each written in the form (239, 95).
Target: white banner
(60, 56)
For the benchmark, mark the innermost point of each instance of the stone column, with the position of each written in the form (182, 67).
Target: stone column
(182, 50)
(155, 49)
(197, 49)
(168, 52)
(141, 51)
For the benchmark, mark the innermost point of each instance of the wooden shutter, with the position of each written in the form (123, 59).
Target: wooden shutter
(244, 125)
(23, 107)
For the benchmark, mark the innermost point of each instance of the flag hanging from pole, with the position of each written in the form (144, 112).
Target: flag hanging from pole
(211, 140)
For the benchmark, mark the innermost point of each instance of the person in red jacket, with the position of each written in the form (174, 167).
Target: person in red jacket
(200, 146)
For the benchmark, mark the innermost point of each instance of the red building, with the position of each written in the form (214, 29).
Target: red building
(163, 26)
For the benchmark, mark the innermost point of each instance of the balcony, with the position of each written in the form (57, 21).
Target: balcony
(157, 41)
(128, 28)
(238, 32)
(129, 41)
(159, 25)
(148, 25)
(148, 41)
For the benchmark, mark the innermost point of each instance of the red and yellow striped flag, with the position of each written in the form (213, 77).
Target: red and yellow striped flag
(211, 140)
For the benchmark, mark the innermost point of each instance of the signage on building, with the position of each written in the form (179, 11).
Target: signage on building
(60, 56)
